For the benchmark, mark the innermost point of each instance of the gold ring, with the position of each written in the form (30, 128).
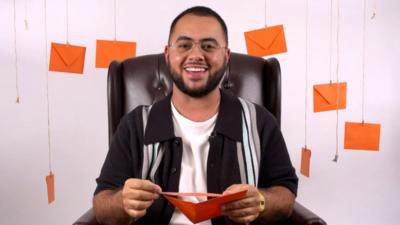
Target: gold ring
(262, 203)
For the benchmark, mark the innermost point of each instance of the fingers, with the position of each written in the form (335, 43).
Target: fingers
(244, 210)
(235, 188)
(138, 195)
(144, 185)
(241, 211)
(247, 202)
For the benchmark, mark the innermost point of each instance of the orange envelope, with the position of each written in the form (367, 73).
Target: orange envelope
(50, 188)
(362, 136)
(107, 51)
(266, 41)
(67, 58)
(197, 212)
(329, 96)
(305, 162)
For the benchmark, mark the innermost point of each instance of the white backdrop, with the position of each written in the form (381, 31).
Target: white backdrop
(361, 188)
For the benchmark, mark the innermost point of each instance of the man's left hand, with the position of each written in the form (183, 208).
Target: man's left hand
(244, 210)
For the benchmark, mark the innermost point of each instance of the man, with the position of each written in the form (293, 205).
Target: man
(198, 127)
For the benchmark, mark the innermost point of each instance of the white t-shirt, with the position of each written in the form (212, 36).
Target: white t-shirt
(193, 177)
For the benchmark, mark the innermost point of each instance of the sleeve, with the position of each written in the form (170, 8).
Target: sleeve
(275, 166)
(121, 159)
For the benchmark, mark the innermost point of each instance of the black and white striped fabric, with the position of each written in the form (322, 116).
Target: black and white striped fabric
(248, 151)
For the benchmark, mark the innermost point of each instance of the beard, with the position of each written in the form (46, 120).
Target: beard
(212, 82)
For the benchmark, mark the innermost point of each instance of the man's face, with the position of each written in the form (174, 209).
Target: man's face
(197, 55)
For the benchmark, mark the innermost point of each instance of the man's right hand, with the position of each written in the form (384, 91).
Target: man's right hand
(138, 195)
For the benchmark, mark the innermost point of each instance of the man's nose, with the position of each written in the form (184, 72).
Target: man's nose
(196, 51)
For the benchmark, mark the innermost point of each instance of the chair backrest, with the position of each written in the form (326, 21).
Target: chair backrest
(145, 79)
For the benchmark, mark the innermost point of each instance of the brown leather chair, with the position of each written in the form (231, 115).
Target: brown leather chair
(145, 79)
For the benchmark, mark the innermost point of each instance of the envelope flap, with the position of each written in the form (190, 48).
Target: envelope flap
(197, 212)
(68, 53)
(327, 92)
(187, 208)
(265, 37)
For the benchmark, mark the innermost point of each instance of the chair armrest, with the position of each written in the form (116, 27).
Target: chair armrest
(87, 219)
(300, 216)
(303, 216)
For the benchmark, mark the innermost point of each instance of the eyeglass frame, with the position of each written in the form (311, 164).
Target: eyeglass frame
(196, 43)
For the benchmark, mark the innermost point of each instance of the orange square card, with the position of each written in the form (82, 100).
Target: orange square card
(362, 136)
(67, 58)
(266, 41)
(107, 51)
(50, 188)
(198, 212)
(305, 162)
(329, 96)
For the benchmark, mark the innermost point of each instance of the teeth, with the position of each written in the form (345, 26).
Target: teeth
(195, 69)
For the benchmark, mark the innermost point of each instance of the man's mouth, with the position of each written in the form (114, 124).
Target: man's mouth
(195, 69)
(195, 72)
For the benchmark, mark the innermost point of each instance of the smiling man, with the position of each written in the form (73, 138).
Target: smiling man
(199, 137)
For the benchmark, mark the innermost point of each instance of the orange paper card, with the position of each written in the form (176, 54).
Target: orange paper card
(67, 58)
(107, 51)
(329, 96)
(50, 188)
(197, 212)
(266, 41)
(305, 162)
(362, 136)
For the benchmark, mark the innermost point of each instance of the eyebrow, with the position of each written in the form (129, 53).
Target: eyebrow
(191, 39)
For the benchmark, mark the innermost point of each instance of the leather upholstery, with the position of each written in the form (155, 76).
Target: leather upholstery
(145, 79)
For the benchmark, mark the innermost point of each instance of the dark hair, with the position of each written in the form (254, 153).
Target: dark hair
(200, 11)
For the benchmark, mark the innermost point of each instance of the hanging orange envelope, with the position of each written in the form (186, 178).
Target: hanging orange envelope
(50, 188)
(197, 212)
(362, 136)
(329, 96)
(266, 41)
(305, 162)
(67, 58)
(107, 51)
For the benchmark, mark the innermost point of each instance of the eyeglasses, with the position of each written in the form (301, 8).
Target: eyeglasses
(186, 45)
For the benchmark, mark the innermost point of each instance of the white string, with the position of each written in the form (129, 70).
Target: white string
(330, 44)
(335, 159)
(306, 79)
(16, 55)
(265, 13)
(66, 9)
(363, 63)
(26, 15)
(115, 20)
(47, 85)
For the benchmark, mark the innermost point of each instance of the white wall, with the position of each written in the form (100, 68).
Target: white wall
(361, 188)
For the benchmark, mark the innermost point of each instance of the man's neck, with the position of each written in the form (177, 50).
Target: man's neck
(196, 109)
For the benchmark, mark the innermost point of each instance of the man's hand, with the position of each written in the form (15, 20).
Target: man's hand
(244, 210)
(138, 195)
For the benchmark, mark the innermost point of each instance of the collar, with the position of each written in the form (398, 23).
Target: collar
(160, 126)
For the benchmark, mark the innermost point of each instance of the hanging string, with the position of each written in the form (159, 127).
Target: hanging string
(363, 63)
(330, 45)
(47, 85)
(16, 56)
(306, 79)
(335, 159)
(26, 17)
(265, 13)
(66, 8)
(115, 20)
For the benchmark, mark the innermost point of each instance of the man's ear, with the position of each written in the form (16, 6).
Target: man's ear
(227, 55)
(166, 53)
